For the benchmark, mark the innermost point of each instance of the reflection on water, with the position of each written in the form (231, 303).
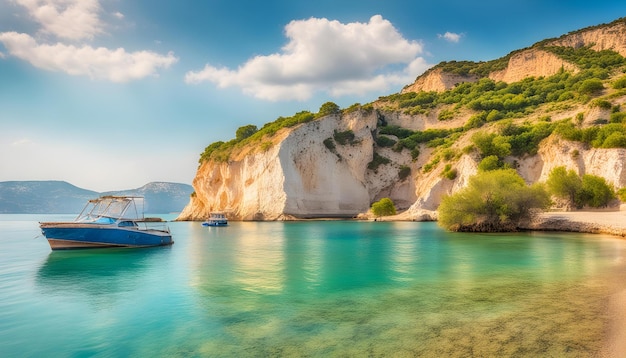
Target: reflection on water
(312, 289)
(96, 275)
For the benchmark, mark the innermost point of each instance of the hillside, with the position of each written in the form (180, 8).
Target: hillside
(556, 103)
(59, 197)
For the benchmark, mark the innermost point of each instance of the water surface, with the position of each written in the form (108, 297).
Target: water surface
(335, 288)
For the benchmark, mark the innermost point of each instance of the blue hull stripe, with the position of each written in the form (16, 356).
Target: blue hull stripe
(108, 236)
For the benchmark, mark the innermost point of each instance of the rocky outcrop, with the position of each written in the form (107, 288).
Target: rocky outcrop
(531, 63)
(438, 81)
(609, 37)
(534, 61)
(305, 174)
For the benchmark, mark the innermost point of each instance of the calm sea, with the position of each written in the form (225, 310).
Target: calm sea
(334, 288)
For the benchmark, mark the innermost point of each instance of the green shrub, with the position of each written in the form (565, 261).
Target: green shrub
(590, 86)
(345, 137)
(384, 141)
(496, 200)
(618, 117)
(564, 184)
(404, 172)
(491, 144)
(445, 115)
(395, 131)
(595, 191)
(621, 194)
(449, 172)
(491, 162)
(377, 161)
(245, 132)
(330, 144)
(328, 108)
(383, 207)
(620, 83)
(415, 153)
(590, 190)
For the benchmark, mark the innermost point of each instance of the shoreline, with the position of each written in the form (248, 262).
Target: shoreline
(592, 222)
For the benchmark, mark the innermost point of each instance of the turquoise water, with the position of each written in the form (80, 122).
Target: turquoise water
(334, 288)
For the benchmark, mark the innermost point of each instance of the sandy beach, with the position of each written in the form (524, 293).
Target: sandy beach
(595, 222)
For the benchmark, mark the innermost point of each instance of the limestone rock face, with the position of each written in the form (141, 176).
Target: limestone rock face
(438, 81)
(553, 152)
(301, 177)
(529, 63)
(532, 62)
(602, 38)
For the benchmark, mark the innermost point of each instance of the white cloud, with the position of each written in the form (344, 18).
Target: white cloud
(118, 15)
(67, 19)
(98, 63)
(324, 55)
(451, 37)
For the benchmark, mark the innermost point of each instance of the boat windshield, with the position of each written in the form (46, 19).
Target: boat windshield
(116, 207)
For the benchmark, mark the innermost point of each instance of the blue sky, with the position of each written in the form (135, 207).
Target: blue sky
(113, 94)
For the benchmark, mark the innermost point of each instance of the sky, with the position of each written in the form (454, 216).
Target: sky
(113, 94)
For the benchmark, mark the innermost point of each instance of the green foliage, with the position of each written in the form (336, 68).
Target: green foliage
(491, 162)
(265, 146)
(620, 83)
(353, 108)
(384, 141)
(383, 207)
(497, 200)
(328, 108)
(601, 103)
(445, 115)
(591, 86)
(395, 131)
(449, 172)
(432, 164)
(586, 58)
(618, 117)
(621, 194)
(377, 161)
(595, 192)
(209, 150)
(564, 183)
(345, 137)
(245, 132)
(330, 144)
(404, 172)
(590, 190)
(491, 144)
(415, 153)
(611, 135)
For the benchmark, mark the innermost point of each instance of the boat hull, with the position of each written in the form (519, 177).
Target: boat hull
(214, 224)
(72, 236)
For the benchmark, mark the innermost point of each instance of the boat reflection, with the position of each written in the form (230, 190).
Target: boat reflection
(97, 275)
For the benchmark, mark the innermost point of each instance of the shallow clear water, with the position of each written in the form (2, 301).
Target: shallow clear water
(334, 288)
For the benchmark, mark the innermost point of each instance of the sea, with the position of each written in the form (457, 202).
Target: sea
(310, 289)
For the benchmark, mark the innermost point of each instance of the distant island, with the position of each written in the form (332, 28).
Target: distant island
(60, 197)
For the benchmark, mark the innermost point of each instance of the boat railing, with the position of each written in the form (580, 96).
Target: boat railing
(152, 225)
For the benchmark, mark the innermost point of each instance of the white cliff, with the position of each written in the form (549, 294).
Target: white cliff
(300, 177)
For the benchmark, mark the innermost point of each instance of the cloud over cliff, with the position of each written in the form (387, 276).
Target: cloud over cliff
(325, 56)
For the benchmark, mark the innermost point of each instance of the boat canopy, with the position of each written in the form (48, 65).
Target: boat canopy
(112, 207)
